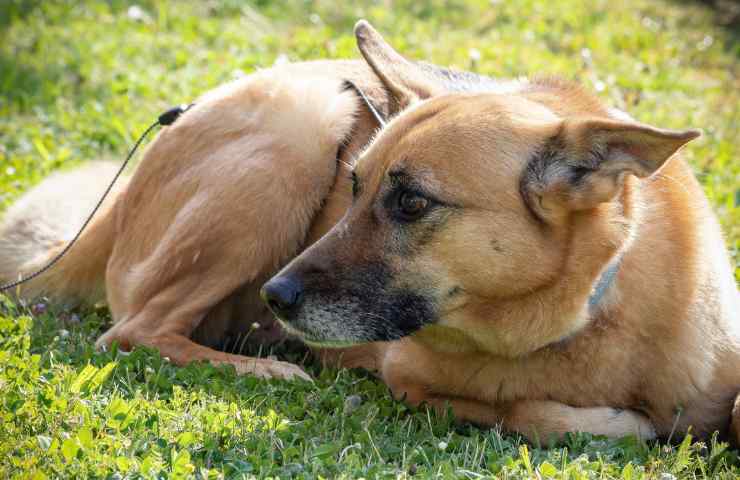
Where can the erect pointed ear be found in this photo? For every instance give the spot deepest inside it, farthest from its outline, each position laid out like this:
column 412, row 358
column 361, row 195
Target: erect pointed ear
column 406, row 81
column 585, row 163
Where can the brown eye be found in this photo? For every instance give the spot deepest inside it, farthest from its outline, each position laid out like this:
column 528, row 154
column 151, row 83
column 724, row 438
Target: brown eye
column 412, row 205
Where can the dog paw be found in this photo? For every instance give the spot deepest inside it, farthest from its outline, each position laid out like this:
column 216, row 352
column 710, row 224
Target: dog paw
column 116, row 334
column 628, row 421
column 267, row 368
column 646, row 431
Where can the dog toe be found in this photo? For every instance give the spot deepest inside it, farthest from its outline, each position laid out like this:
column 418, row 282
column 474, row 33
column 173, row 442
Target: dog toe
column 267, row 368
column 287, row 371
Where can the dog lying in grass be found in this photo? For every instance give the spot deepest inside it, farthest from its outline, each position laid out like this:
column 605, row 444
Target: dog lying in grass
column 529, row 258
column 518, row 252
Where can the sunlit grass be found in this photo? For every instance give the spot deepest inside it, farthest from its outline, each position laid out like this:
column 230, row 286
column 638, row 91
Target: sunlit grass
column 81, row 80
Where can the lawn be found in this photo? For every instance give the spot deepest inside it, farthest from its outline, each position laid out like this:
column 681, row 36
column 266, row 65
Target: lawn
column 81, row 80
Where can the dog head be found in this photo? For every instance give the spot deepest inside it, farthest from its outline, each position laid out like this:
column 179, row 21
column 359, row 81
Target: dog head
column 478, row 219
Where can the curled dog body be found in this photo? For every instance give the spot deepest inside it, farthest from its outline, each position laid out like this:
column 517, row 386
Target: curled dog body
column 221, row 199
column 247, row 178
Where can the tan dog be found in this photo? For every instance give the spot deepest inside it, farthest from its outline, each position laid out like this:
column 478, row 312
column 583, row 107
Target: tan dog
column 241, row 183
column 538, row 261
column 221, row 200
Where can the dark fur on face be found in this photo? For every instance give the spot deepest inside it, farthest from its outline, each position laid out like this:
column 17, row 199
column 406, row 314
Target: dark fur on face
column 372, row 309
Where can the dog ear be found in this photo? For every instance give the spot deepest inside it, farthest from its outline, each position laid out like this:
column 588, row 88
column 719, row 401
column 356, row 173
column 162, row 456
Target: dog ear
column 586, row 162
column 406, row 81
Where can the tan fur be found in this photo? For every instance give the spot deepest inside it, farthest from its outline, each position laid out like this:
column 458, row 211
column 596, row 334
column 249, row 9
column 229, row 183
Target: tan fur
column 39, row 225
column 220, row 201
column 156, row 296
column 537, row 192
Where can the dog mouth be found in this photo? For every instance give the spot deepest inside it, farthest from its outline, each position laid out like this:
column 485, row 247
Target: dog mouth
column 330, row 326
column 331, row 323
column 313, row 340
column 340, row 309
column 318, row 323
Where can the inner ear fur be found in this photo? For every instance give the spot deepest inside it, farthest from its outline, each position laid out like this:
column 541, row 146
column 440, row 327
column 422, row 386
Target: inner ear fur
column 585, row 163
column 406, row 81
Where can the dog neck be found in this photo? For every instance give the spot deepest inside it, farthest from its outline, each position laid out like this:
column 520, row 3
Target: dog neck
column 445, row 339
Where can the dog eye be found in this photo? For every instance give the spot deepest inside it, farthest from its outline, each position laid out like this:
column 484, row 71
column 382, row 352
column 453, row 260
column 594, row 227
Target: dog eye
column 411, row 205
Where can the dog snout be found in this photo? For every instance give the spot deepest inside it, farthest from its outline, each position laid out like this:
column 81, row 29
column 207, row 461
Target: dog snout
column 283, row 295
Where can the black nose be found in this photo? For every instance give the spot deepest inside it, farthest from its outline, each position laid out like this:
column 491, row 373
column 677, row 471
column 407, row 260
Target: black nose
column 283, row 295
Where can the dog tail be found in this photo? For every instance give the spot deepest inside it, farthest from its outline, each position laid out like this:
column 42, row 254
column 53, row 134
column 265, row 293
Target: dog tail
column 43, row 221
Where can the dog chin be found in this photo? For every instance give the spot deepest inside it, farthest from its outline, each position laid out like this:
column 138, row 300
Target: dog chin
column 312, row 340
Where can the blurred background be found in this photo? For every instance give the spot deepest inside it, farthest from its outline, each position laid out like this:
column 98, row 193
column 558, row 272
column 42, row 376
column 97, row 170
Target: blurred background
column 81, row 80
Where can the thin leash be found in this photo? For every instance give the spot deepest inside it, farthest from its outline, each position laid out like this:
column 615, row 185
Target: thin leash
column 165, row 119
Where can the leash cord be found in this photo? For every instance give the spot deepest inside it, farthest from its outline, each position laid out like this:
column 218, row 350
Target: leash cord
column 167, row 118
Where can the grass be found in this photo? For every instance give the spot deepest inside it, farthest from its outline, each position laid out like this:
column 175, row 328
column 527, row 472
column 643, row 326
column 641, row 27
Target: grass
column 80, row 80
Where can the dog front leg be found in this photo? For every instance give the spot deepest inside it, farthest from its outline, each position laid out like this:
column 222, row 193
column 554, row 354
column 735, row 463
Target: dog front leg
column 181, row 350
column 166, row 315
column 540, row 420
